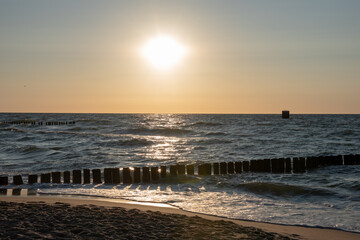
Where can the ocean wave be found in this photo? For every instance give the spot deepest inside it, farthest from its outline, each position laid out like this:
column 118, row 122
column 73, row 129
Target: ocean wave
column 211, row 141
column 159, row 131
column 201, row 123
column 215, row 134
column 13, row 130
column 282, row 190
column 129, row 142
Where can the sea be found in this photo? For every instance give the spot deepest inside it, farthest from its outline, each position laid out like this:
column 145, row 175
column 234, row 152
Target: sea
column 327, row 197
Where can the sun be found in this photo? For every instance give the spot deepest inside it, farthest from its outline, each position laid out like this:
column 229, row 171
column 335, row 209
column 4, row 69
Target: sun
column 163, row 52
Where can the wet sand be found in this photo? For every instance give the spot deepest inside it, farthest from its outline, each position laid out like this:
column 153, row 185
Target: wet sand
column 72, row 218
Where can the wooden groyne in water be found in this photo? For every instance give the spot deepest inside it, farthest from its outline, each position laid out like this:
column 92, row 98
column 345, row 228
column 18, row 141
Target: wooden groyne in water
column 33, row 122
column 153, row 174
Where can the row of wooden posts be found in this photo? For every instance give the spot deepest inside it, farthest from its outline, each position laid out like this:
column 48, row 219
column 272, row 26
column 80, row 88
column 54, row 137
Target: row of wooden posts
column 154, row 174
column 33, row 122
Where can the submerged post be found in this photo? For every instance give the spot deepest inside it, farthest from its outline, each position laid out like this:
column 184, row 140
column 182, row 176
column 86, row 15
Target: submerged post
column 66, row 177
column 126, row 176
column 33, row 178
column 163, row 171
column 173, row 170
column 18, row 180
column 45, row 178
column 154, row 173
column 76, row 176
column 146, row 174
column 137, row 177
column 238, row 167
column 108, row 178
column 190, row 169
column 86, row 176
column 55, row 177
column 116, row 175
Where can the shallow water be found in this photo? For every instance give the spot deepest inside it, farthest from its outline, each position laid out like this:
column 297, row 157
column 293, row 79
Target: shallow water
column 327, row 197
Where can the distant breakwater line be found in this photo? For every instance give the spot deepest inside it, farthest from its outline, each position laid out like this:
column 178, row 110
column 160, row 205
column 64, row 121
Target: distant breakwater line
column 129, row 175
column 33, row 122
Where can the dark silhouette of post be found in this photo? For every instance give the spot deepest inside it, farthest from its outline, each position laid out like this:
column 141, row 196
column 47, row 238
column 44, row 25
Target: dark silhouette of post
column 154, row 174
column 288, row 165
column 216, row 168
column 137, row 176
column 267, row 165
column 4, row 180
column 163, row 171
column 76, row 176
column 18, row 180
column 231, row 168
column 190, row 169
column 108, row 178
column 285, row 114
column 246, row 166
column 146, row 174
column 96, row 173
column 33, row 178
column 181, row 169
column 223, row 168
column 45, row 178
column 173, row 170
column 67, row 177
column 86, row 176
column 56, row 177
column 238, row 167
column 116, row 175
column 127, row 176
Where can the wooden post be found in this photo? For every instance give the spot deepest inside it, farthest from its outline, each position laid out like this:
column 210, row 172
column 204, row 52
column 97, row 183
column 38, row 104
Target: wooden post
column 173, row 170
column 223, row 168
column 17, row 179
column 33, row 178
column 238, row 167
column 3, row 191
column 181, row 169
column 137, row 176
column 282, row 165
column 190, row 169
column 246, row 166
column 127, row 176
column 96, row 173
column 45, row 178
column 116, row 175
column 285, row 114
column 302, row 164
column 163, row 171
column 216, row 168
column 16, row 192
column 287, row 165
column 146, row 174
column 357, row 159
column 66, row 177
column 267, row 165
column 231, row 168
column 86, row 176
column 4, row 180
column 253, row 166
column 155, row 174
column 108, row 178
column 56, row 177
column 201, row 170
column 207, row 168
column 76, row 176
column 339, row 160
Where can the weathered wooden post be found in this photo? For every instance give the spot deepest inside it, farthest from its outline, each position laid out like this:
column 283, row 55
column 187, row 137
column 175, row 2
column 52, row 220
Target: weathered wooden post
column 155, row 174
column 267, row 165
column 4, row 180
column 16, row 192
column 108, row 178
column 3, row 191
column 86, row 176
column 216, row 168
column 201, row 169
column 357, row 159
column 96, row 173
column 56, row 177
column 33, row 178
column 146, row 174
column 231, row 168
column 246, row 166
column 67, row 177
column 45, row 178
column 181, row 169
column 253, row 166
column 339, row 160
column 163, row 171
column 173, row 170
column 261, row 165
column 223, row 168
column 282, row 165
column 288, row 165
column 116, row 175
column 127, row 176
column 137, row 176
column 17, row 179
column 190, row 169
column 302, row 164
column 207, row 168
column 76, row 176
column 238, row 167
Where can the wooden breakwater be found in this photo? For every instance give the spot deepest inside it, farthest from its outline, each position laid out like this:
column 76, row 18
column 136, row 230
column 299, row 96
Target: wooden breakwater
column 33, row 122
column 153, row 174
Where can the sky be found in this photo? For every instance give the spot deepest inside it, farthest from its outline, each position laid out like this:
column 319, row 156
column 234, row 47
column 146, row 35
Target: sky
column 255, row 56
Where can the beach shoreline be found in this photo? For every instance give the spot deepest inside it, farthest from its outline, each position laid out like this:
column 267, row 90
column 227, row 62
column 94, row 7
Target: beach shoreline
column 276, row 231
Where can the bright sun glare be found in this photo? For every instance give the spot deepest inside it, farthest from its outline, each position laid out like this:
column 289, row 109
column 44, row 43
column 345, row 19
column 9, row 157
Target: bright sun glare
column 163, row 52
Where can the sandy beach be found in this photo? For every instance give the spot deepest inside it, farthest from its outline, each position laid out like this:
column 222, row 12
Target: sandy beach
column 72, row 218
